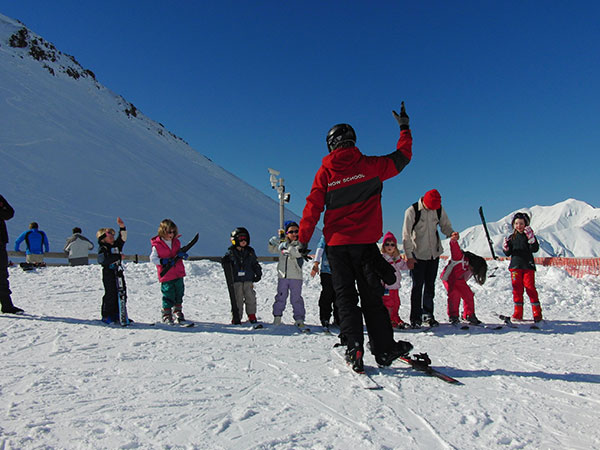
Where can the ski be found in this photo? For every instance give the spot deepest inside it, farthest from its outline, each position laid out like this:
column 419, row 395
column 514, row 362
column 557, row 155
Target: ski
column 365, row 380
column 303, row 329
column 183, row 249
column 184, row 324
column 508, row 322
column 122, row 294
column 422, row 363
column 487, row 326
column 227, row 265
column 487, row 233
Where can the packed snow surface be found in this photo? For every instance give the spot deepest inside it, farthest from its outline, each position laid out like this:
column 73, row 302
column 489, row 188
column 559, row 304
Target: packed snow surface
column 69, row 381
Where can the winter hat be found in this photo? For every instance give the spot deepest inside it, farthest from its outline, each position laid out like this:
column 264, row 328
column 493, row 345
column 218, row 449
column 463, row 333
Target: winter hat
column 389, row 236
column 289, row 223
column 432, row 199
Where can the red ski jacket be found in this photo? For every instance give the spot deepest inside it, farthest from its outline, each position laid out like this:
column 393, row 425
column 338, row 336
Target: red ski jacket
column 349, row 184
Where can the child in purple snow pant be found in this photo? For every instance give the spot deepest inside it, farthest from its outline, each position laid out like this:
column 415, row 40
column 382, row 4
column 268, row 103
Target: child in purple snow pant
column 294, row 287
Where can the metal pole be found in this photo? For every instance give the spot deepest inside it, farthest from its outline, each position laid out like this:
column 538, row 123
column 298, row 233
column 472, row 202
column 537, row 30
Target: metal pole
column 281, row 203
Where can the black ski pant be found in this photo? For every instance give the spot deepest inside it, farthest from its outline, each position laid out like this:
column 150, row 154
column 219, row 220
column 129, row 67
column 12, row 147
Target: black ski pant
column 5, row 292
column 423, row 289
column 352, row 266
column 327, row 300
column 110, row 300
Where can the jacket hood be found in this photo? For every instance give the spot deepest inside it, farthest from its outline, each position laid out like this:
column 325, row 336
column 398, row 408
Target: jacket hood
column 342, row 158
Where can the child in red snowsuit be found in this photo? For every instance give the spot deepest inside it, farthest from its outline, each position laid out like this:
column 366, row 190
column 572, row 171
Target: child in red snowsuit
column 520, row 246
column 455, row 275
column 391, row 297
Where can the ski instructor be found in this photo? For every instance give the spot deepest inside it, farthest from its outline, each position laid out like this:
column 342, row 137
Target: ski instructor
column 349, row 184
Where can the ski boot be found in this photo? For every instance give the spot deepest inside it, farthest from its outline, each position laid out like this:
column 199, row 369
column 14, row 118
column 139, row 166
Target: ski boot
column 354, row 357
column 178, row 316
column 167, row 316
column 473, row 320
column 401, row 348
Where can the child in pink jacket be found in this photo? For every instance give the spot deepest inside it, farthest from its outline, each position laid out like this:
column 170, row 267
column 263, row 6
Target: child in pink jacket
column 166, row 253
column 391, row 298
column 455, row 275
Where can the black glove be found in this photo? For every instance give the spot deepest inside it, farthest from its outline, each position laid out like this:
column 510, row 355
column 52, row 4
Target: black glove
column 304, row 251
column 401, row 118
column 256, row 278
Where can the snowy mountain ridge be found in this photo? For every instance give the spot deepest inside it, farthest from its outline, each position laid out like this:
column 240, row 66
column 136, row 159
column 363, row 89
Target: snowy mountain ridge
column 76, row 154
column 570, row 228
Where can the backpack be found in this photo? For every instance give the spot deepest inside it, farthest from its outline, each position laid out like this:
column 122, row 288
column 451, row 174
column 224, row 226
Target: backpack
column 418, row 214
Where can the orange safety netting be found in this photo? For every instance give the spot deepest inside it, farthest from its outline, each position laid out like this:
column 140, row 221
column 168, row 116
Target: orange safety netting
column 576, row 267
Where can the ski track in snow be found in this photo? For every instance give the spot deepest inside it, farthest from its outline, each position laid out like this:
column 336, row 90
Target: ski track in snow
column 69, row 381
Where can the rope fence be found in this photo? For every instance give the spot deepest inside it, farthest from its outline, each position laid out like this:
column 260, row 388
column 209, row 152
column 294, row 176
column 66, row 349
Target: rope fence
column 576, row 267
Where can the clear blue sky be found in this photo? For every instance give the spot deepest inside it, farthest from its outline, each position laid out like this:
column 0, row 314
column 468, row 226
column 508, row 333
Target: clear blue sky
column 503, row 97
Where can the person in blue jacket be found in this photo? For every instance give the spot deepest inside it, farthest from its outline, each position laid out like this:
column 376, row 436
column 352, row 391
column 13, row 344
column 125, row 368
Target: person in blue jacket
column 36, row 242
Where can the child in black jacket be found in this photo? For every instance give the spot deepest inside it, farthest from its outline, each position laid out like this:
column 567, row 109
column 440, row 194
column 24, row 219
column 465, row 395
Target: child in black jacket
column 109, row 252
column 520, row 246
column 246, row 271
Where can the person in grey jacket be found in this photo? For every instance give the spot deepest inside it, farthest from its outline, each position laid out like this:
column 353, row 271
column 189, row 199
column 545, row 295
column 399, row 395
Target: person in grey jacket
column 423, row 247
column 78, row 248
column 289, row 270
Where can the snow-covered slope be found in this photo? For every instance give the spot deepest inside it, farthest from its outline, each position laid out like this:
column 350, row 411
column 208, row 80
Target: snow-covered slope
column 570, row 228
column 67, row 381
column 76, row 154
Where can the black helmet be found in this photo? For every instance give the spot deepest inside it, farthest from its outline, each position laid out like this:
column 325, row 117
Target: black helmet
column 237, row 234
column 341, row 135
column 520, row 215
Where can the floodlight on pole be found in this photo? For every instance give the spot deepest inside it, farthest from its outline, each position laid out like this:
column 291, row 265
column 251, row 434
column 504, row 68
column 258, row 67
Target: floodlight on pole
column 284, row 197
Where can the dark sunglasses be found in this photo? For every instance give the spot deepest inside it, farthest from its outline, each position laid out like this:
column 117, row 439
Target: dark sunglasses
column 389, row 244
column 293, row 231
column 243, row 238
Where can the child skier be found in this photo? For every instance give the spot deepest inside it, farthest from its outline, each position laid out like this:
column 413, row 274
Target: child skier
column 391, row 297
column 166, row 253
column 109, row 253
column 459, row 269
column 246, row 272
column 289, row 270
column 520, row 246
column 327, row 297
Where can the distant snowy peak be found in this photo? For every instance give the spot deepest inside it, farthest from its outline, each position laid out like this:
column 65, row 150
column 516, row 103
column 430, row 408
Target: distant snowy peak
column 570, row 228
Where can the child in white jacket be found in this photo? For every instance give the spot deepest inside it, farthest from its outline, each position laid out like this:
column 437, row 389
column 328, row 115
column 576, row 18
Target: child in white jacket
column 289, row 271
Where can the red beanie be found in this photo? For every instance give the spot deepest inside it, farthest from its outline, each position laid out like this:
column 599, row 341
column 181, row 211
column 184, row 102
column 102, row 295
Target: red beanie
column 432, row 199
column 389, row 236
